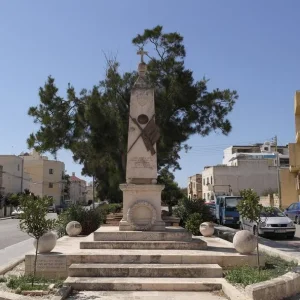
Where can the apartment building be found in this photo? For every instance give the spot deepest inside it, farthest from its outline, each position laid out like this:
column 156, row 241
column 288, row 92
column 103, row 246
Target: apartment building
column 77, row 189
column 249, row 166
column 195, row 186
column 267, row 150
column 13, row 178
column 89, row 191
column 46, row 175
column 290, row 178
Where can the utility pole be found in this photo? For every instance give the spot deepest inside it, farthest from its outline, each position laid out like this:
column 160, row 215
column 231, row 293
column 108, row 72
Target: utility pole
column 93, row 192
column 278, row 169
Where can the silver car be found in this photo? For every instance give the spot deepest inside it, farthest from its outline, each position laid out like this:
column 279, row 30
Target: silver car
column 272, row 223
column 16, row 213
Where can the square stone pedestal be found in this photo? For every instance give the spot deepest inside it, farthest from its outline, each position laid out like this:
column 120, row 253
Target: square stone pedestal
column 141, row 207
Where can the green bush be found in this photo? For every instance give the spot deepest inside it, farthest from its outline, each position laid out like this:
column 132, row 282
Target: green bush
column 193, row 223
column 187, row 207
column 90, row 220
column 115, row 207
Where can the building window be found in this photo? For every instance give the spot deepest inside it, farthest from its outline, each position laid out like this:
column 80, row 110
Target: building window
column 50, row 171
column 203, row 181
column 207, row 181
column 208, row 196
column 211, row 181
column 203, row 195
column 194, row 185
column 50, row 185
column 18, row 167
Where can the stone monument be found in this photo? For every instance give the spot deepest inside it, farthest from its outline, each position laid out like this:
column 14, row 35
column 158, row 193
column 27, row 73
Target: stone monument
column 141, row 193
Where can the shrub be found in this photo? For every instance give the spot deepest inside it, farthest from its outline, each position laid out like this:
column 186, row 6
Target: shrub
column 90, row 220
column 115, row 207
column 187, row 207
column 193, row 223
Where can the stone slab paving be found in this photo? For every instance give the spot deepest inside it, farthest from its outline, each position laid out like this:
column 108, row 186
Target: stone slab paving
column 146, row 296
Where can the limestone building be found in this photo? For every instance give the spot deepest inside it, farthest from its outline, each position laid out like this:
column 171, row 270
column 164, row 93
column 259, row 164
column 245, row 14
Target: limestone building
column 46, row 175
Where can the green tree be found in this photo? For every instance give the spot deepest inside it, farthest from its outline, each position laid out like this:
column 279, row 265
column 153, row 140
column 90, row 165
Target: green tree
column 94, row 124
column 250, row 209
column 187, row 207
column 172, row 192
column 33, row 220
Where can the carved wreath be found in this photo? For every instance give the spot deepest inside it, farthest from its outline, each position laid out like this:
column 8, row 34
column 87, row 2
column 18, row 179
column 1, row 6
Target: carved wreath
column 138, row 204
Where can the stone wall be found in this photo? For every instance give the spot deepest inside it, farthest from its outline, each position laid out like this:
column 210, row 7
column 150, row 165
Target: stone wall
column 270, row 200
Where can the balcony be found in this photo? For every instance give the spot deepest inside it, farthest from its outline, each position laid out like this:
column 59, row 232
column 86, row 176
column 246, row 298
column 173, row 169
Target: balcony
column 297, row 103
column 294, row 169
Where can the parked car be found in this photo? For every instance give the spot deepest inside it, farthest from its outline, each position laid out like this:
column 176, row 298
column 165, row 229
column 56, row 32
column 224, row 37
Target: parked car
column 16, row 213
column 51, row 208
column 272, row 223
column 293, row 212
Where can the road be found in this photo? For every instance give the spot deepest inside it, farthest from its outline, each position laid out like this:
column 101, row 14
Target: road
column 295, row 242
column 11, row 234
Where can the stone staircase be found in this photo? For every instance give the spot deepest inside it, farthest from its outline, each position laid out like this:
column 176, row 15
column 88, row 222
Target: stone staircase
column 138, row 266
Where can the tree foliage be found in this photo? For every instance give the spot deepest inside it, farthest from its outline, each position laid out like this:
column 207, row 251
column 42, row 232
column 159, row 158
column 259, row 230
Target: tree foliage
column 250, row 208
column 94, row 124
column 186, row 207
column 33, row 220
column 172, row 192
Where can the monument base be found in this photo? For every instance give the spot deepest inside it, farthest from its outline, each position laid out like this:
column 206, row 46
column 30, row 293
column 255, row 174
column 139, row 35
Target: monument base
column 126, row 226
column 142, row 207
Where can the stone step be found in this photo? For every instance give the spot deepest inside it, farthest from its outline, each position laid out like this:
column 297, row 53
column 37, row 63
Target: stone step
column 112, row 233
column 124, row 256
column 146, row 270
column 195, row 244
column 144, row 284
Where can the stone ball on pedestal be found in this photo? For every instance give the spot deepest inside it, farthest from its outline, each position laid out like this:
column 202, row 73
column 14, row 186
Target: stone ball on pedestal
column 207, row 229
column 244, row 242
column 47, row 242
column 73, row 228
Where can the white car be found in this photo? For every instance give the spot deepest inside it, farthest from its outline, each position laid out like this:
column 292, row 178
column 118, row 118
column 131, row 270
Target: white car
column 273, row 223
column 16, row 213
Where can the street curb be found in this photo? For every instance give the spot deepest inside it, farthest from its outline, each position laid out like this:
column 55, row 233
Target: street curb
column 6, row 218
column 11, row 265
column 12, row 296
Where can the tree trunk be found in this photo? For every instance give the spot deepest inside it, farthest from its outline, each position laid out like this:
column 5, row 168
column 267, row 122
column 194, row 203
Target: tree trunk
column 170, row 207
column 35, row 260
column 257, row 249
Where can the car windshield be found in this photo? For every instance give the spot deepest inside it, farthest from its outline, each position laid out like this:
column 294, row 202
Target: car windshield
column 232, row 201
column 275, row 212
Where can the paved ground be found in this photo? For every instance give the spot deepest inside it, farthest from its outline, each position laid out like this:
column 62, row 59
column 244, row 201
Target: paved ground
column 146, row 296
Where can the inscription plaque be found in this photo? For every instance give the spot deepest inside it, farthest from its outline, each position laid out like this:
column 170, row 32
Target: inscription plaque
column 142, row 162
column 50, row 263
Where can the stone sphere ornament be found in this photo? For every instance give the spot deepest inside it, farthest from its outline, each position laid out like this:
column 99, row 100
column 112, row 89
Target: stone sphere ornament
column 47, row 242
column 207, row 229
column 244, row 242
column 73, row 228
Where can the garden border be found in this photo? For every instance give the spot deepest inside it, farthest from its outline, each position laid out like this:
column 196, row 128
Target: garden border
column 277, row 288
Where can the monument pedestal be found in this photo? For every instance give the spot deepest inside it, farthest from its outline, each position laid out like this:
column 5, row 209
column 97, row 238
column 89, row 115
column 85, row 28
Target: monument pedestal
column 141, row 207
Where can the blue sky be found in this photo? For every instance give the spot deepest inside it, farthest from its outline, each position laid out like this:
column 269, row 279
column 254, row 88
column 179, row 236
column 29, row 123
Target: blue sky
column 250, row 46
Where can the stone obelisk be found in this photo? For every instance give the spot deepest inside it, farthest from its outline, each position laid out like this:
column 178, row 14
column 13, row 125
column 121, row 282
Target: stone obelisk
column 141, row 193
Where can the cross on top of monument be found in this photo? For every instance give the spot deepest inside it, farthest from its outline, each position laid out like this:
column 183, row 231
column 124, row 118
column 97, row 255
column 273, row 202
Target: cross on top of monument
column 142, row 53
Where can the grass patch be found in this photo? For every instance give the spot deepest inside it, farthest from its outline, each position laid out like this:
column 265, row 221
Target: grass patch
column 23, row 283
column 245, row 275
